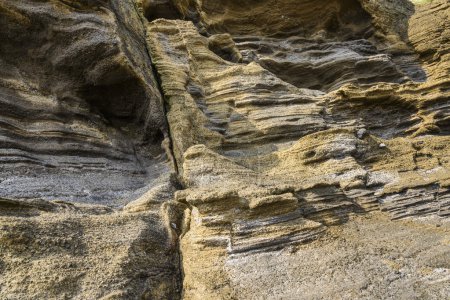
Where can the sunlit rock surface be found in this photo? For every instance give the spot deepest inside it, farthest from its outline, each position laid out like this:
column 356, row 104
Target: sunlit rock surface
column 225, row 149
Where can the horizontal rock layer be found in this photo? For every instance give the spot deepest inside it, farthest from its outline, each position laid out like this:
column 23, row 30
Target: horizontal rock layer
column 80, row 107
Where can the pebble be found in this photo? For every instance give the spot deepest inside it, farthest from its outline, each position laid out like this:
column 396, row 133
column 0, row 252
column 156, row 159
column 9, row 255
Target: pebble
column 361, row 133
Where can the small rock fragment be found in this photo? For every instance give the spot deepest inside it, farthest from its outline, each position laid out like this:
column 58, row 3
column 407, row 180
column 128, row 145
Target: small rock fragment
column 361, row 133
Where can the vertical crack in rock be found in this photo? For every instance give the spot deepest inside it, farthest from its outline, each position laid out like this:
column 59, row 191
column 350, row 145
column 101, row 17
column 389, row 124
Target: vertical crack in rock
column 80, row 106
column 168, row 140
column 287, row 121
column 143, row 7
column 82, row 121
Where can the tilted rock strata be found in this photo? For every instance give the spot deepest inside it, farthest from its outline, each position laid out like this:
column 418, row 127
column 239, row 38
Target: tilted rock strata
column 224, row 105
column 354, row 125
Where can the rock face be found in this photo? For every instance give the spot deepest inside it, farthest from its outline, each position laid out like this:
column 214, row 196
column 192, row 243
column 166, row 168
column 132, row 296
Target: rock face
column 185, row 149
column 63, row 251
column 80, row 107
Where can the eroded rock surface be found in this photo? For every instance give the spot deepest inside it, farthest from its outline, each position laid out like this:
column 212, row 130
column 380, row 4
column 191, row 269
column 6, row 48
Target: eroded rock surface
column 81, row 114
column 308, row 113
column 66, row 251
column 227, row 149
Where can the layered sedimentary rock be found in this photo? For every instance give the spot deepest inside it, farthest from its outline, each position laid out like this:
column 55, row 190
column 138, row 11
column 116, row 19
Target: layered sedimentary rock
column 82, row 120
column 305, row 120
column 273, row 149
column 81, row 115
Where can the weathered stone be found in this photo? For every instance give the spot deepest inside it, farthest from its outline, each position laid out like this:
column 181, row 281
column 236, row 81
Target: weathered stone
column 80, row 107
column 227, row 149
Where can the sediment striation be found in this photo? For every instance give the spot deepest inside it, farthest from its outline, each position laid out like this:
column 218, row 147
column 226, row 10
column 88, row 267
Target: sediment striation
column 80, row 105
column 184, row 149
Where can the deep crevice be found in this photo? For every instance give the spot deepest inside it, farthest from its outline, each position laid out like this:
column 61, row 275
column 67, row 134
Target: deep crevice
column 166, row 135
column 169, row 135
column 160, row 9
column 166, row 132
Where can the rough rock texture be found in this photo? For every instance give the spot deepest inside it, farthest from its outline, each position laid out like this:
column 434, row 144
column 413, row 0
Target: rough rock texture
column 66, row 251
column 227, row 149
column 82, row 120
column 81, row 115
column 308, row 113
